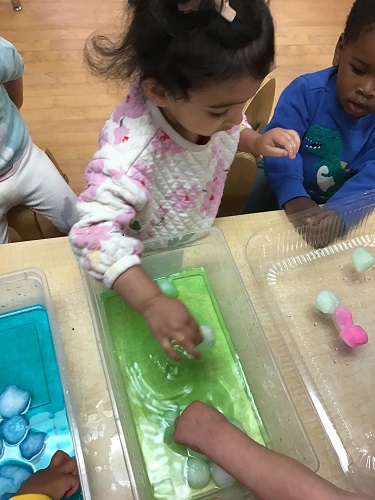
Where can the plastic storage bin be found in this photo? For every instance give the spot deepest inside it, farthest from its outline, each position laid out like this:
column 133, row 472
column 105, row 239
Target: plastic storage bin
column 207, row 252
column 32, row 360
column 339, row 379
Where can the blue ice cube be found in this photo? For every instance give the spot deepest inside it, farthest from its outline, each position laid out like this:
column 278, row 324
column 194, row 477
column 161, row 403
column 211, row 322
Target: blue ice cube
column 1, row 446
column 7, row 488
column 11, row 478
column 15, row 429
column 32, row 445
column 14, row 401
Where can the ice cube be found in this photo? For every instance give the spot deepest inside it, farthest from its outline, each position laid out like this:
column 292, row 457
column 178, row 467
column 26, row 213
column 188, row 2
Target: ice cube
column 220, row 477
column 362, row 259
column 327, row 302
column 11, row 478
column 170, row 415
column 7, row 488
column 168, row 287
column 208, row 336
column 195, row 454
column 15, row 429
column 1, row 446
column 198, row 473
column 32, row 445
column 14, row 401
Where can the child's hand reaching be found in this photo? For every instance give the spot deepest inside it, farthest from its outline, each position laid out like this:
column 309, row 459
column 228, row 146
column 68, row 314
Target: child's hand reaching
column 277, row 142
column 167, row 317
column 59, row 479
column 193, row 427
column 323, row 228
column 207, row 431
column 170, row 321
column 319, row 227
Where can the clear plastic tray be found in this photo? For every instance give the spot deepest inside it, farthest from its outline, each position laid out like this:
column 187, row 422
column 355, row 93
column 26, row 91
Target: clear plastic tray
column 27, row 318
column 207, row 250
column 340, row 380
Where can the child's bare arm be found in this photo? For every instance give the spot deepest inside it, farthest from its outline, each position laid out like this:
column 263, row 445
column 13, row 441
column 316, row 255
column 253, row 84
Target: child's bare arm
column 167, row 317
column 319, row 227
column 275, row 142
column 59, row 479
column 14, row 89
column 267, row 474
column 300, row 204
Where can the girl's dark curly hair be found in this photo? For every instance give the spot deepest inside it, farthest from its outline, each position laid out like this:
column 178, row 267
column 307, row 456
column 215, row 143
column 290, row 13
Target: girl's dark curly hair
column 185, row 51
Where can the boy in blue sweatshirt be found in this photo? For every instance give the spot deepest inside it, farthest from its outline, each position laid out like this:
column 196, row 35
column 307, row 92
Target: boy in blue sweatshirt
column 333, row 111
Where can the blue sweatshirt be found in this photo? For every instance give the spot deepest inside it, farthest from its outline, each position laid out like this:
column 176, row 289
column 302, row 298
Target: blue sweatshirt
column 336, row 159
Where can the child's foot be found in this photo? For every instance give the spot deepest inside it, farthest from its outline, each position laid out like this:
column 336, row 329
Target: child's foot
column 59, row 479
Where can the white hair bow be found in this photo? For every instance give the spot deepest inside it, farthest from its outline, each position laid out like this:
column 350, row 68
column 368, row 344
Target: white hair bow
column 223, row 8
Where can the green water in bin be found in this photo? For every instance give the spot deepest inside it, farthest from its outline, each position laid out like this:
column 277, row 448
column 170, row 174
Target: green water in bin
column 158, row 387
column 28, row 361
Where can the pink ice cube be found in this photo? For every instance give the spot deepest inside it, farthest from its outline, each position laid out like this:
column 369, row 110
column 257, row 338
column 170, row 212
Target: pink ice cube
column 353, row 335
column 344, row 317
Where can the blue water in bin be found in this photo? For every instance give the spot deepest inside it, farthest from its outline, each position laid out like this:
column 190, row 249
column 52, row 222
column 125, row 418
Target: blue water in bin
column 28, row 361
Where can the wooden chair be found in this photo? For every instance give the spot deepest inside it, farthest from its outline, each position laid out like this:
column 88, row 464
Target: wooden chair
column 237, row 187
column 23, row 220
column 244, row 167
column 259, row 108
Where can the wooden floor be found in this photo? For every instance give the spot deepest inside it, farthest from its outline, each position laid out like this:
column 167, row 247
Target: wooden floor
column 65, row 108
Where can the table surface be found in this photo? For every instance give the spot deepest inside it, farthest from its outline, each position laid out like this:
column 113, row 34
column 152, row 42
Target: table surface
column 105, row 464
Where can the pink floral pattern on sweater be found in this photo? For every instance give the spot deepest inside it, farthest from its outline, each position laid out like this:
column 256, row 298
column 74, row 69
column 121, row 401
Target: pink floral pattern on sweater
column 184, row 199
column 132, row 106
column 162, row 145
column 145, row 181
column 98, row 234
column 95, row 178
column 121, row 134
column 214, row 190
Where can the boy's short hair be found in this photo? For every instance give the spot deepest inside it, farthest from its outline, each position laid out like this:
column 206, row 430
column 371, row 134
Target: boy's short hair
column 361, row 19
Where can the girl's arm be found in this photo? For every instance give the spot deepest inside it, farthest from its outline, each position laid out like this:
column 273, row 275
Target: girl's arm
column 118, row 188
column 167, row 317
column 267, row 474
column 276, row 142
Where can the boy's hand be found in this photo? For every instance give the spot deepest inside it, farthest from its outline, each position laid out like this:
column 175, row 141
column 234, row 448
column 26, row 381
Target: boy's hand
column 278, row 142
column 320, row 227
column 300, row 204
column 323, row 228
column 196, row 425
column 169, row 321
column 59, row 479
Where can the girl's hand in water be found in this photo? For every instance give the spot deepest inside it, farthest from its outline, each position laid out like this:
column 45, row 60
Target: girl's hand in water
column 278, row 142
column 167, row 317
column 169, row 321
column 59, row 479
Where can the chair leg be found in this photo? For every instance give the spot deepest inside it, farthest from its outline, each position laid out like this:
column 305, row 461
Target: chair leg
column 25, row 222
column 16, row 5
column 54, row 161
